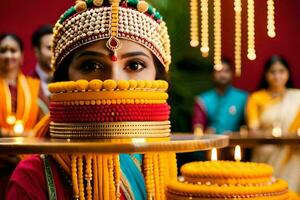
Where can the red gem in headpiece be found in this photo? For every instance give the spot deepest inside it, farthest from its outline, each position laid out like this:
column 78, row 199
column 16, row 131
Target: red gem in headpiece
column 113, row 42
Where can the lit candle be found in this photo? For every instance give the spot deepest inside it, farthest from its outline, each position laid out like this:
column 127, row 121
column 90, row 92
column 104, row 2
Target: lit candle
column 18, row 127
column 298, row 132
column 276, row 131
column 10, row 120
column 214, row 155
column 198, row 131
column 237, row 153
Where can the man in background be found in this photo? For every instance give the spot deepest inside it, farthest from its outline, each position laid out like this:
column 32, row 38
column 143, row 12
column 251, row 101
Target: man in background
column 221, row 109
column 41, row 42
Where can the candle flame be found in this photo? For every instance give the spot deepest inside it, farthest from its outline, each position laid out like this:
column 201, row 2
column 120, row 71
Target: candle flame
column 11, row 120
column 276, row 132
column 18, row 127
column 237, row 153
column 214, row 155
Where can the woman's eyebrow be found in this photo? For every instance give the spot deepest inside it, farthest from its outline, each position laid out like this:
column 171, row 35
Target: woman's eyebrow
column 90, row 53
column 134, row 53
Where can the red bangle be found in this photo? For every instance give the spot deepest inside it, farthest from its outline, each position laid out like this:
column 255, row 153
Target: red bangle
column 109, row 113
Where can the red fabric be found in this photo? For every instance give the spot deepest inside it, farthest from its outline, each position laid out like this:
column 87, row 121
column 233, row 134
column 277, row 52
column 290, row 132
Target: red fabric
column 28, row 182
column 199, row 116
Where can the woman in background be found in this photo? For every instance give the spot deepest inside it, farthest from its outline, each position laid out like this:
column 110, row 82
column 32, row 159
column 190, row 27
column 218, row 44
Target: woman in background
column 275, row 109
column 19, row 94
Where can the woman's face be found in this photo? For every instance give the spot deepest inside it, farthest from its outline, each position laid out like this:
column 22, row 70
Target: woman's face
column 277, row 75
column 11, row 57
column 93, row 61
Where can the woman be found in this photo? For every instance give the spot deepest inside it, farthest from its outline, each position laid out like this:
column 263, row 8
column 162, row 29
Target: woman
column 275, row 109
column 19, row 105
column 103, row 51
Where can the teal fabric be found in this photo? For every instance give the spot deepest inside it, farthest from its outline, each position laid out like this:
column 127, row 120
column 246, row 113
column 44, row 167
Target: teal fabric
column 225, row 113
column 133, row 175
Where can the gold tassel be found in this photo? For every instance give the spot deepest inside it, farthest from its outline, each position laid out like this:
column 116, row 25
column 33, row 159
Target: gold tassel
column 172, row 165
column 88, row 176
column 112, row 186
column 117, row 170
column 149, row 179
column 80, row 178
column 105, row 180
column 156, row 176
column 162, row 172
column 100, row 178
column 74, row 177
column 96, row 176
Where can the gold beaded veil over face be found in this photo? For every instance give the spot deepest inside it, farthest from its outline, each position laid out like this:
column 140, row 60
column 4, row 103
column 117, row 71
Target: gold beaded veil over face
column 94, row 20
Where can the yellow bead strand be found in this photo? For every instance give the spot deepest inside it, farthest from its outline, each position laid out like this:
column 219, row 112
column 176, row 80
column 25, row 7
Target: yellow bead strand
column 149, row 179
column 112, row 188
column 238, row 37
column 271, row 18
column 217, row 35
column 162, row 172
column 74, row 177
column 194, row 23
column 88, row 176
column 204, row 28
column 96, row 178
column 105, row 180
column 80, row 178
column 156, row 177
column 173, row 165
column 251, row 30
column 117, row 170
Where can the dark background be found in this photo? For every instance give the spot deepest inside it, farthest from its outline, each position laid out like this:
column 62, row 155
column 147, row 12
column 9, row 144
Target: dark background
column 190, row 73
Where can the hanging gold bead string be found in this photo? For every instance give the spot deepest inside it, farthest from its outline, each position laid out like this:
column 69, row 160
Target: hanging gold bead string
column 217, row 35
column 251, row 54
column 271, row 18
column 204, row 28
column 98, row 176
column 238, row 37
column 194, row 23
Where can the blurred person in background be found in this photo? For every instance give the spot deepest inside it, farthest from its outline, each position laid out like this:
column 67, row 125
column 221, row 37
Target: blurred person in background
column 275, row 110
column 221, row 109
column 41, row 42
column 19, row 110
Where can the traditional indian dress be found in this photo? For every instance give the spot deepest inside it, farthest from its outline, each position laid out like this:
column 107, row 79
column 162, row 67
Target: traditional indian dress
column 47, row 177
column 21, row 103
column 268, row 113
column 223, row 113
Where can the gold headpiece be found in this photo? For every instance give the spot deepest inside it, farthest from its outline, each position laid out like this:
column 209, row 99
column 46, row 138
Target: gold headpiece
column 94, row 20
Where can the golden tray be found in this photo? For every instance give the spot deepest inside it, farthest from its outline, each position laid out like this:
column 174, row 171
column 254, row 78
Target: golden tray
column 177, row 143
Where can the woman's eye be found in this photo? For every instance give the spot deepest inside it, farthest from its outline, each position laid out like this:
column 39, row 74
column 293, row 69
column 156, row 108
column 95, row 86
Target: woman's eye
column 91, row 67
column 135, row 66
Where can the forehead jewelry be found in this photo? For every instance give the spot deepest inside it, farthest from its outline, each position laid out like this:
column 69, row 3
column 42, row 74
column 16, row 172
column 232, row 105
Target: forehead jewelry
column 113, row 42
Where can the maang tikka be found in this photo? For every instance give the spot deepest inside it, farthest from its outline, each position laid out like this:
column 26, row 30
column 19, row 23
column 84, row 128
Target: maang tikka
column 113, row 42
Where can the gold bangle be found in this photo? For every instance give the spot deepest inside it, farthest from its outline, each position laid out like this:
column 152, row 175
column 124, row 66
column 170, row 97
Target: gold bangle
column 85, row 135
column 110, row 124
